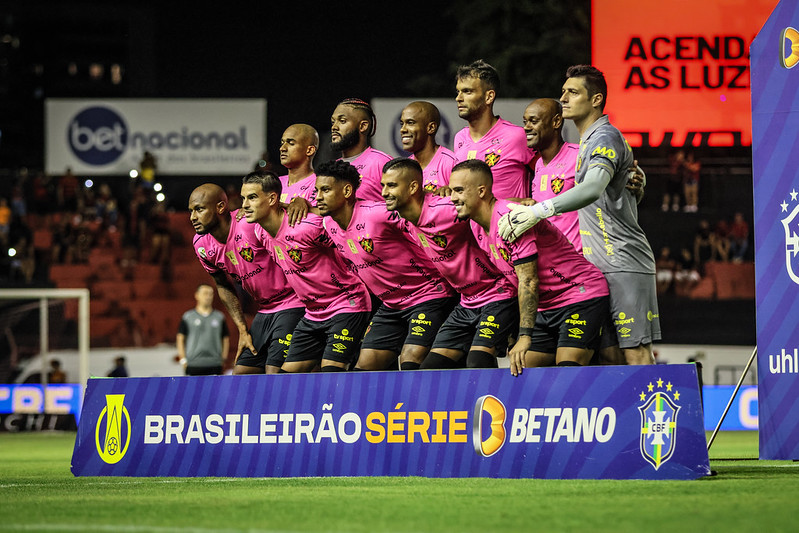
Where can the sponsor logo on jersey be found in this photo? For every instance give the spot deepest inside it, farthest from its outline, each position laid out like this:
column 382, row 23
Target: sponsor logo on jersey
column 610, row 153
column 658, row 410
column 115, row 427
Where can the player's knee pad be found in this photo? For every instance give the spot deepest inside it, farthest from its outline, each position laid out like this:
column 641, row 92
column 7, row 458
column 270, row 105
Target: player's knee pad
column 569, row 363
column 437, row 361
column 480, row 359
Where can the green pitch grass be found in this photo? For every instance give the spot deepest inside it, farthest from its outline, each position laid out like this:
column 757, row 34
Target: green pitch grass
column 38, row 493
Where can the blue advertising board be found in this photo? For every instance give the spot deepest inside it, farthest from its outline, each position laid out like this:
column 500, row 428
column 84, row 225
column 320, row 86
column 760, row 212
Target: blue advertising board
column 774, row 55
column 637, row 422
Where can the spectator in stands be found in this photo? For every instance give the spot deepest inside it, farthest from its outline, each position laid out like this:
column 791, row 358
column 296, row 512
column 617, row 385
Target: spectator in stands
column 19, row 205
column 691, row 168
column 23, row 263
column 106, row 206
column 147, row 167
column 42, row 190
column 674, row 183
column 56, row 375
column 119, row 370
column 665, row 266
column 704, row 246
column 739, row 238
column 67, row 191
column 5, row 221
column 721, row 241
column 686, row 276
column 160, row 237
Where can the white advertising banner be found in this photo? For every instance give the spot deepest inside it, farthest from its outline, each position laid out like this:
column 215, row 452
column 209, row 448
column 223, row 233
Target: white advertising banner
column 187, row 137
column 388, row 111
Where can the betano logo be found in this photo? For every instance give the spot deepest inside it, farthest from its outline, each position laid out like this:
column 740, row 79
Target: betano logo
column 789, row 56
column 111, row 450
column 495, row 409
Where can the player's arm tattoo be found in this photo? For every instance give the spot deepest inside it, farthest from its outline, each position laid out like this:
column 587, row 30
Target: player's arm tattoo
column 528, row 292
column 227, row 293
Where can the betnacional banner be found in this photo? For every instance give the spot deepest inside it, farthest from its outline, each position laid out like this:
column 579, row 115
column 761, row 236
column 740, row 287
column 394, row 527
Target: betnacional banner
column 186, row 136
column 775, row 143
column 388, row 112
column 642, row 422
column 678, row 71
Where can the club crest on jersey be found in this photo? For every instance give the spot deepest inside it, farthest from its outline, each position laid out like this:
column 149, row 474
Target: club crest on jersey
column 658, row 422
column 791, row 226
column 440, row 240
column 367, row 244
column 430, row 186
column 504, row 253
column 295, row 254
column 492, row 157
column 246, row 253
column 557, row 185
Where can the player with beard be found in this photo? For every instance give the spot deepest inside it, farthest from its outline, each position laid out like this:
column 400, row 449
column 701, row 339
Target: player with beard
column 338, row 305
column 488, row 137
column 352, row 125
column 487, row 315
column 227, row 248
column 415, row 298
column 419, row 124
column 563, row 298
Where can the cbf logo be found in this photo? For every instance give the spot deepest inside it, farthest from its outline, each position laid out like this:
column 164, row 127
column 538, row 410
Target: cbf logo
column 97, row 135
column 791, row 226
column 114, row 426
column 488, row 439
column 658, row 422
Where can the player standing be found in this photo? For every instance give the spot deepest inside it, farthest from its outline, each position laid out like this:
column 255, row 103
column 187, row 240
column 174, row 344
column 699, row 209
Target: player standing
column 415, row 298
column 480, row 325
column 612, row 238
column 337, row 302
column 563, row 298
column 228, row 247
column 352, row 125
column 419, row 124
column 501, row 144
column 298, row 147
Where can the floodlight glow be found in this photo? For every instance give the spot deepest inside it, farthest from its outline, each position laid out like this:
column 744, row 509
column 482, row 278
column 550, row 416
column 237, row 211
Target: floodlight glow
column 134, row 173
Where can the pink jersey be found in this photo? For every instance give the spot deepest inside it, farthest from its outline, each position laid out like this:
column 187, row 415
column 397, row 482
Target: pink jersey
column 454, row 251
column 314, row 269
column 504, row 149
column 436, row 173
column 305, row 188
column 551, row 180
column 564, row 275
column 248, row 263
column 375, row 244
column 370, row 166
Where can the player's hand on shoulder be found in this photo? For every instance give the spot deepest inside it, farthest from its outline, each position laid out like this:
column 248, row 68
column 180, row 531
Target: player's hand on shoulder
column 297, row 210
column 443, row 191
column 518, row 220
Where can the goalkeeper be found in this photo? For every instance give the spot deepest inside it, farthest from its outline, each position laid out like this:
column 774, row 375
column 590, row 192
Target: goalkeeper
column 608, row 212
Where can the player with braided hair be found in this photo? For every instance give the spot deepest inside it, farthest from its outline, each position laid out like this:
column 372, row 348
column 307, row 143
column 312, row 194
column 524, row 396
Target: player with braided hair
column 352, row 125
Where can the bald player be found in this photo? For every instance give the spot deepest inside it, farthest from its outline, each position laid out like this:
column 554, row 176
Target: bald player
column 298, row 147
column 554, row 170
column 227, row 248
column 352, row 125
column 419, row 124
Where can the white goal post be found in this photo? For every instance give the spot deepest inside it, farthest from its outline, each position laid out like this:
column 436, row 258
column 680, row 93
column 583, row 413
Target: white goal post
column 43, row 295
